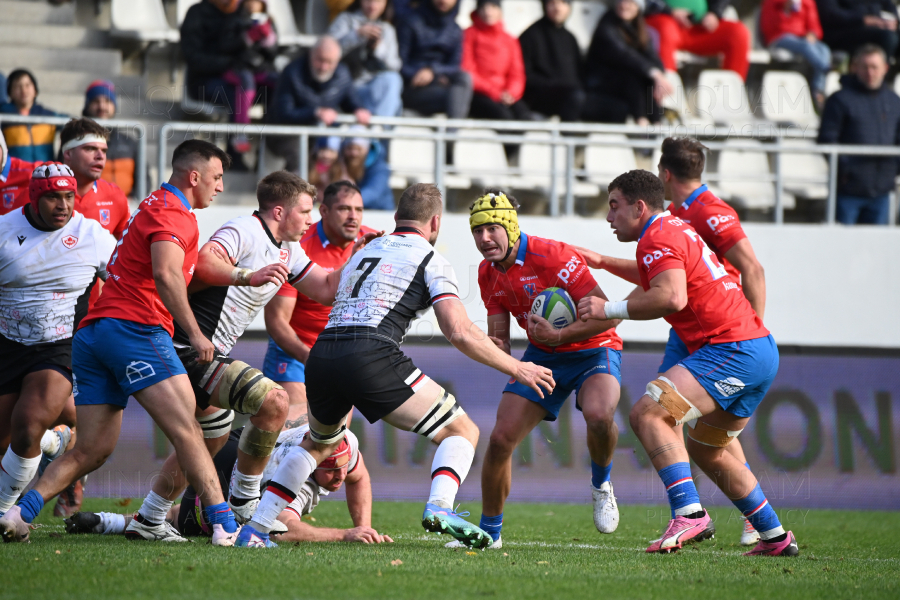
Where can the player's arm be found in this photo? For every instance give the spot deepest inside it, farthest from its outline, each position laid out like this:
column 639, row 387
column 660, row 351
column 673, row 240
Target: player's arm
column 620, row 267
column 216, row 268
column 278, row 313
column 167, row 260
column 498, row 330
column 298, row 531
column 321, row 286
column 542, row 331
column 753, row 276
column 667, row 295
column 359, row 494
column 471, row 341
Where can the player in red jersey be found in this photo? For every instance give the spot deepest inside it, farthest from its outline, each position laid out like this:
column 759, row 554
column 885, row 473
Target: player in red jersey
column 293, row 320
column 124, row 347
column 584, row 357
column 14, row 176
column 680, row 169
column 733, row 361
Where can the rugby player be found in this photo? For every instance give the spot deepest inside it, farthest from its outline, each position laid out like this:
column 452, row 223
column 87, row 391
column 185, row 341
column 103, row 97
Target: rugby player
column 294, row 320
column 357, row 362
column 584, row 357
column 50, row 259
column 14, row 176
column 123, row 347
column 345, row 465
column 731, row 364
column 680, row 169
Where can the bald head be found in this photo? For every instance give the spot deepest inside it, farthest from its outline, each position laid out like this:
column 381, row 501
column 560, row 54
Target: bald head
column 324, row 58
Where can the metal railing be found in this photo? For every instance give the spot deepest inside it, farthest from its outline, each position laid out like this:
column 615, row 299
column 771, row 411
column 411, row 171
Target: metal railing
column 136, row 129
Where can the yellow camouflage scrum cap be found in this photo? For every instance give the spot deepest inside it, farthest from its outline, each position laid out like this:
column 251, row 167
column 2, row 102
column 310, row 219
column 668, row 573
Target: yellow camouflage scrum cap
column 495, row 208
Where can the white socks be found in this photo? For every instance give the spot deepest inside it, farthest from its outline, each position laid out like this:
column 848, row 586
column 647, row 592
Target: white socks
column 290, row 476
column 111, row 523
column 688, row 510
column 155, row 508
column 244, row 487
column 16, row 474
column 451, row 464
column 50, row 442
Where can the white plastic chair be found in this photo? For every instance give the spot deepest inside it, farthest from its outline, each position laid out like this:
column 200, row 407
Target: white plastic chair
column 722, row 96
column 743, row 178
column 282, row 16
column 413, row 160
column 807, row 166
column 786, row 99
column 142, row 20
column 534, row 163
column 604, row 162
column 583, row 20
column 833, row 83
column 678, row 102
column 483, row 161
column 316, row 20
column 181, row 8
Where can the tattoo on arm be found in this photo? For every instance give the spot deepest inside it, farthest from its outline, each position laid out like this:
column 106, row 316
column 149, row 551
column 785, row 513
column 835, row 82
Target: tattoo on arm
column 301, row 420
column 662, row 450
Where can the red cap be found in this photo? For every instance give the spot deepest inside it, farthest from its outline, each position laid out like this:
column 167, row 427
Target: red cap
column 50, row 177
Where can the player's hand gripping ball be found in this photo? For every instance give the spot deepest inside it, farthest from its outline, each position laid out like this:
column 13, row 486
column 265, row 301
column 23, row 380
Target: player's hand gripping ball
column 555, row 305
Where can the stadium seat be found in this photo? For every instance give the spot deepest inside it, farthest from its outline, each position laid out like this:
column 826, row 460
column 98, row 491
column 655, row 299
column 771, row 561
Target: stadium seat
column 745, row 178
column 282, row 16
column 678, row 102
column 316, row 21
column 897, row 85
column 413, row 160
column 483, row 161
column 833, row 83
column 583, row 21
column 786, row 98
column 534, row 163
column 181, row 8
column 141, row 20
column 722, row 96
column 604, row 162
column 804, row 166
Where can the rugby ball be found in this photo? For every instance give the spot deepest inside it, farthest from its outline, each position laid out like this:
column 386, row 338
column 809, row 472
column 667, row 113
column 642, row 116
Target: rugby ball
column 555, row 305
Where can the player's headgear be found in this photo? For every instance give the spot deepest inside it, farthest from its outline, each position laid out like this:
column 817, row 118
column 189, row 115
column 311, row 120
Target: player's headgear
column 496, row 208
column 51, row 177
column 339, row 458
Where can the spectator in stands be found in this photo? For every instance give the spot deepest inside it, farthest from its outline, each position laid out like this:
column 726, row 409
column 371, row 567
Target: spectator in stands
column 325, row 168
column 865, row 111
column 370, row 50
column 312, row 89
column 494, row 60
column 848, row 24
column 793, row 25
column 31, row 143
column 224, row 65
column 122, row 149
column 696, row 26
column 431, row 51
column 365, row 161
column 623, row 73
column 553, row 64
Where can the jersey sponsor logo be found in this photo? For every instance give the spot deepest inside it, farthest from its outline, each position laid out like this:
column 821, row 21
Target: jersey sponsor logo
column 62, row 183
column 191, row 270
column 21, row 239
column 69, row 241
column 284, row 255
column 529, row 278
column 730, row 386
column 138, row 370
column 8, row 199
column 730, row 285
column 500, row 293
column 656, row 255
column 105, row 203
column 104, row 216
column 717, row 220
column 530, row 289
column 570, row 268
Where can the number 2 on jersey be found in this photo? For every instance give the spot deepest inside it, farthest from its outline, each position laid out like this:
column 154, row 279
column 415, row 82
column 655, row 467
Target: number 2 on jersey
column 709, row 258
column 372, row 262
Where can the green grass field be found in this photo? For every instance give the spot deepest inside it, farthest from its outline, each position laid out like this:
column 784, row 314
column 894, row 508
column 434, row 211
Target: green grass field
column 550, row 551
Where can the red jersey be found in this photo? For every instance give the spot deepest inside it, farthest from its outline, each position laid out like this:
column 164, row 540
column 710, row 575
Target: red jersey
column 309, row 317
column 106, row 204
column 715, row 221
column 14, row 180
column 540, row 264
column 130, row 292
column 717, row 310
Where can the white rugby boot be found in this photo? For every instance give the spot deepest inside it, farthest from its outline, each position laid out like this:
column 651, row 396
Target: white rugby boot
column 163, row 532
column 244, row 513
column 220, row 537
column 606, row 511
column 749, row 536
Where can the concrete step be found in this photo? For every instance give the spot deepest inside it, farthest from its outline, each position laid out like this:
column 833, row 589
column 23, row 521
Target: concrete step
column 51, row 36
column 57, row 59
column 66, row 104
column 37, row 13
column 76, row 82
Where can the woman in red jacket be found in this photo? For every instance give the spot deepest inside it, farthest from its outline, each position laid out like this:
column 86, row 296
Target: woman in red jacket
column 494, row 60
column 793, row 25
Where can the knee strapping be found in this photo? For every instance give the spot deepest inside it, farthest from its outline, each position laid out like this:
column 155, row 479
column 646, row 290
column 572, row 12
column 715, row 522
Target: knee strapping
column 444, row 411
column 664, row 393
column 709, row 435
column 244, row 388
column 257, row 442
column 217, row 424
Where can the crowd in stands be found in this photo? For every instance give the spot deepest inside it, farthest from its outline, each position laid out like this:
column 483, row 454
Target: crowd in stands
column 394, row 57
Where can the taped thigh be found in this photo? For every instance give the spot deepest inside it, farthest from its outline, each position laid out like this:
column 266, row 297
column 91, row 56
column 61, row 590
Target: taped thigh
column 709, row 435
column 244, row 388
column 257, row 442
column 327, row 435
column 442, row 412
column 664, row 393
column 216, row 424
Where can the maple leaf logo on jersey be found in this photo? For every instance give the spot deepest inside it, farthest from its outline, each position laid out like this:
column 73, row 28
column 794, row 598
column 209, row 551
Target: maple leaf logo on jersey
column 8, row 199
column 69, row 241
column 284, row 255
column 104, row 216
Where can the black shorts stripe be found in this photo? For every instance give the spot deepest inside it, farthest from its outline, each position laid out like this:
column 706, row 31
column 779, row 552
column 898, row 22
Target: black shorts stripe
column 436, row 408
column 442, row 420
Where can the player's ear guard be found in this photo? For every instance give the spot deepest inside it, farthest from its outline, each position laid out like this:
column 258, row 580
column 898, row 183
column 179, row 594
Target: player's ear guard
column 257, row 442
column 216, row 424
column 495, row 208
column 709, row 435
column 244, row 388
column 664, row 393
column 444, row 411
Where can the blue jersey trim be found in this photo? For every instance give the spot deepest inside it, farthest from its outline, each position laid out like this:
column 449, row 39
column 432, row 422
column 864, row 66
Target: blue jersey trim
column 523, row 249
column 174, row 190
column 652, row 219
column 694, row 195
column 6, row 168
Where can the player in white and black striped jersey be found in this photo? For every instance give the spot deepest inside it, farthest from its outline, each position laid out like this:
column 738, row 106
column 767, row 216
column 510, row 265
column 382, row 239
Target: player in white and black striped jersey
column 357, row 362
